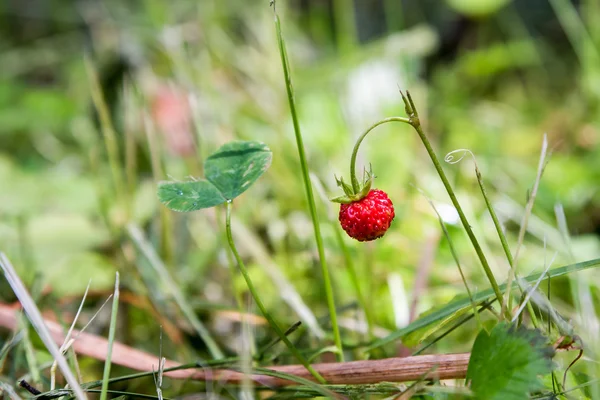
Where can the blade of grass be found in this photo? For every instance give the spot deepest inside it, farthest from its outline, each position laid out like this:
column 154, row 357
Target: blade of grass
column 456, row 260
column 9, row 345
column 501, row 235
column 308, row 186
column 65, row 345
column 32, row 363
column 166, row 219
column 507, row 303
column 130, row 146
column 484, row 295
column 9, row 390
column 111, row 338
column 282, row 375
column 140, row 241
column 38, row 323
column 532, row 290
column 575, row 29
column 580, row 292
column 261, row 353
column 456, row 325
column 158, row 376
column 108, row 132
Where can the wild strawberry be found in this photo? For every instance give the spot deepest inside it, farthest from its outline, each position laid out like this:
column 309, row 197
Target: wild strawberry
column 368, row 218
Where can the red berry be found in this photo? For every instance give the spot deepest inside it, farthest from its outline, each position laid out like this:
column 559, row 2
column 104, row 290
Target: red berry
column 368, row 218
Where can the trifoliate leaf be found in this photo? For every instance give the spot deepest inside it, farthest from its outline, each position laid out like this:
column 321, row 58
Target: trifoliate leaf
column 235, row 166
column 230, row 171
column 189, row 196
column 505, row 363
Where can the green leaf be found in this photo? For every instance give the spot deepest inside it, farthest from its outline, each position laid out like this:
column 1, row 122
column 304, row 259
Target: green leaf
column 230, row 171
column 459, row 304
column 189, row 196
column 235, row 166
column 505, row 363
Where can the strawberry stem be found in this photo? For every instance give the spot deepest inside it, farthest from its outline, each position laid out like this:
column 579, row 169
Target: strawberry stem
column 355, row 184
column 413, row 120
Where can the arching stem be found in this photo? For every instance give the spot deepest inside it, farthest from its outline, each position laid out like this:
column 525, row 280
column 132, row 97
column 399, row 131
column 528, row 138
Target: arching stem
column 259, row 303
column 354, row 180
column 413, row 120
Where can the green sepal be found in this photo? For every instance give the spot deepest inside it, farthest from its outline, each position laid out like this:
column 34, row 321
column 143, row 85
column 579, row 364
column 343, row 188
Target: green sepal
column 364, row 191
column 350, row 196
column 367, row 183
column 345, row 187
column 342, row 199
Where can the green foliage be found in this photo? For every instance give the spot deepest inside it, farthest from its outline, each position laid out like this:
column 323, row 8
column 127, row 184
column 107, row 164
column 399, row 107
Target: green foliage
column 235, row 166
column 189, row 196
column 505, row 363
column 230, row 171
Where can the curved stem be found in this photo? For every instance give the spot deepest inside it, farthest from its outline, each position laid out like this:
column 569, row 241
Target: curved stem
column 259, row 302
column 355, row 184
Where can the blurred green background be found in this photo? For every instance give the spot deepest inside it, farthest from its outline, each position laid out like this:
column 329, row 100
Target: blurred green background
column 180, row 78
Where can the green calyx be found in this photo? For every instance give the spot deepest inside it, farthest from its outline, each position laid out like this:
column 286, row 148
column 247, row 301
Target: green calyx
column 350, row 195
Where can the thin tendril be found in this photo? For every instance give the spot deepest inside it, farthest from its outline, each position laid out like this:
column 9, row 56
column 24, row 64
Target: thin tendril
column 450, row 157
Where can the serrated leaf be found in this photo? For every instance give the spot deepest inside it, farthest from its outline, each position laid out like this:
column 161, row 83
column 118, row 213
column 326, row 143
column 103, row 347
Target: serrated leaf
column 505, row 363
column 235, row 166
column 189, row 196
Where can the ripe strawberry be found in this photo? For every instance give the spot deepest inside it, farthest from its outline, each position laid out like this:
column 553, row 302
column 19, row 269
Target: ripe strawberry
column 368, row 218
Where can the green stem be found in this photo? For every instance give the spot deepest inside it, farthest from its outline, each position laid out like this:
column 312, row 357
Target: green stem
column 413, row 120
column 503, row 240
column 111, row 339
column 501, row 234
column 355, row 184
column 309, row 190
column 484, row 263
column 259, row 302
column 499, row 230
column 455, row 256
